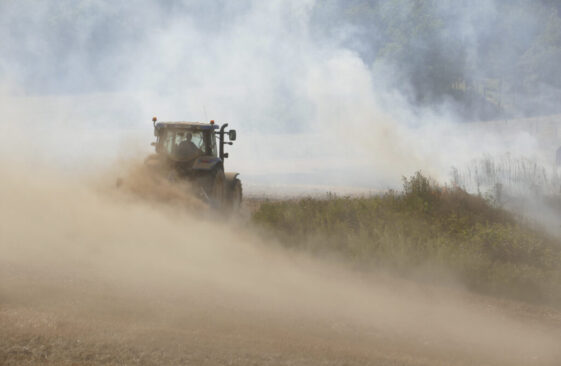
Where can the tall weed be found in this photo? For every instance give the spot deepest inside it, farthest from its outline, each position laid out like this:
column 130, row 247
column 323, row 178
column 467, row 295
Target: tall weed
column 429, row 229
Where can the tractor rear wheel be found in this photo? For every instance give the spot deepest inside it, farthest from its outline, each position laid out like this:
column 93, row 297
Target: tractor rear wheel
column 218, row 190
column 235, row 196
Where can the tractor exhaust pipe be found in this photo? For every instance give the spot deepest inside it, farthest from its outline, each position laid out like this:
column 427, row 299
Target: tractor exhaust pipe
column 222, row 142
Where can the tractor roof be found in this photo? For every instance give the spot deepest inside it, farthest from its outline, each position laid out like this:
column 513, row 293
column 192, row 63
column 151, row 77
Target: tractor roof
column 186, row 125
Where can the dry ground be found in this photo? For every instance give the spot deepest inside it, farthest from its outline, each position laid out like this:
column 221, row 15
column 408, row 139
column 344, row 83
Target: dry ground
column 65, row 319
column 90, row 278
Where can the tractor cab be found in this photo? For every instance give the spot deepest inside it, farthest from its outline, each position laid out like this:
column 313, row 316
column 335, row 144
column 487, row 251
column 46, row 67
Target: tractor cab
column 186, row 142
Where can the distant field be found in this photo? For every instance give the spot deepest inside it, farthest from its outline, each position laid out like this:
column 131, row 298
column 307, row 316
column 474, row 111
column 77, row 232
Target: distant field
column 426, row 231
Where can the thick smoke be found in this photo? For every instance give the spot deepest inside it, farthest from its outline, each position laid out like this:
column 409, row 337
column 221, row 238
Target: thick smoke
column 328, row 90
column 484, row 59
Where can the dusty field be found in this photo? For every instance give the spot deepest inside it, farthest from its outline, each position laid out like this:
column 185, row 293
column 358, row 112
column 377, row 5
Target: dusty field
column 62, row 319
column 90, row 278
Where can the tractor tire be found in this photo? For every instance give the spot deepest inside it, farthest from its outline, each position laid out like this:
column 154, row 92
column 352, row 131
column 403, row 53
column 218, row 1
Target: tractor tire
column 235, row 196
column 218, row 190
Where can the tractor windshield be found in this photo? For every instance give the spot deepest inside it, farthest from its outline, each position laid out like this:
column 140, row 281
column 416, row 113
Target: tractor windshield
column 183, row 144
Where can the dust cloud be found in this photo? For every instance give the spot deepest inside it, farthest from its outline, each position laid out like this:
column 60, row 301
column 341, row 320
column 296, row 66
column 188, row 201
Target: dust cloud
column 84, row 260
column 77, row 248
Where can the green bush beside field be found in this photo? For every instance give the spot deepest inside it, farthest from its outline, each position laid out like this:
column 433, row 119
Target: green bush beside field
column 426, row 230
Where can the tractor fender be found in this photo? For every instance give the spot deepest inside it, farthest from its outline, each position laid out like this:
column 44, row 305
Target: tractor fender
column 206, row 163
column 230, row 177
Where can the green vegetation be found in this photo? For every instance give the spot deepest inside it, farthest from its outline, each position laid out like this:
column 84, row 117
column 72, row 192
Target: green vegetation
column 426, row 229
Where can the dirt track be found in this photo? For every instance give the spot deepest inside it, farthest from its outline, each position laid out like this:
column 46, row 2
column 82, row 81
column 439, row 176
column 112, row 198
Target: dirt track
column 92, row 279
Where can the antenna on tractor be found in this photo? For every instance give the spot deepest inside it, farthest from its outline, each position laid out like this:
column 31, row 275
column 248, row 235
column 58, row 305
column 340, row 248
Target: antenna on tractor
column 204, row 111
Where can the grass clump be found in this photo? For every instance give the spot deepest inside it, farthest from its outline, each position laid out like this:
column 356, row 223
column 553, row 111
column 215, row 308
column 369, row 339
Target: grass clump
column 426, row 229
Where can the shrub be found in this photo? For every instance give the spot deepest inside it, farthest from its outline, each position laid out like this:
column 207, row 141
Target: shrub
column 428, row 227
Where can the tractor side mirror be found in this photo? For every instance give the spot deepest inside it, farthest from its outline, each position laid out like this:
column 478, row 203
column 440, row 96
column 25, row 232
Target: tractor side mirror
column 232, row 135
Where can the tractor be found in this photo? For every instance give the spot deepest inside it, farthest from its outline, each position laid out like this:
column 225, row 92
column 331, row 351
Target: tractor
column 194, row 151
